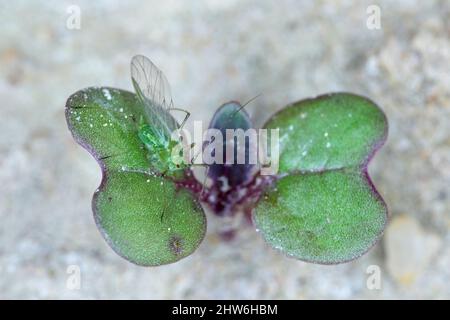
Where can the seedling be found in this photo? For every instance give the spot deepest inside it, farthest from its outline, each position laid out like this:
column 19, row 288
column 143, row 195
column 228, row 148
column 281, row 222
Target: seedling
column 320, row 206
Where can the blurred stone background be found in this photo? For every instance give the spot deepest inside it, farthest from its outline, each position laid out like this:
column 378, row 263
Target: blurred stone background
column 214, row 51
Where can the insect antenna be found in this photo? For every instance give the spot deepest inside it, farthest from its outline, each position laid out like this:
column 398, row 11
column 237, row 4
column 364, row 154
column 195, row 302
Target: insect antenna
column 243, row 106
column 204, row 180
column 148, row 172
column 83, row 107
column 112, row 156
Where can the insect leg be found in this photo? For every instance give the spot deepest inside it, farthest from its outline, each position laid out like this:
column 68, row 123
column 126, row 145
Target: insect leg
column 166, row 204
column 188, row 114
column 196, row 156
column 204, row 180
column 206, row 174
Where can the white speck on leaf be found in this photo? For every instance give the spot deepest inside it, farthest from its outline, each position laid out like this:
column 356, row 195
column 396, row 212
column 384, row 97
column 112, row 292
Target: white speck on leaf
column 107, row 94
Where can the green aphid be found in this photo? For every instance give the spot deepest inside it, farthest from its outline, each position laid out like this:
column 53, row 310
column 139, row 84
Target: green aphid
column 160, row 150
column 156, row 128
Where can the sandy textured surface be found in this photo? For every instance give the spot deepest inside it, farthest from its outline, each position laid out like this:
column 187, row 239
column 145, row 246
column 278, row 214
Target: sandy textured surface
column 214, row 52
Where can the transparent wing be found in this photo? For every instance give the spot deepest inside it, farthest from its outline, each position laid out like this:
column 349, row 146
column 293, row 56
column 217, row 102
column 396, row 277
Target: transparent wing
column 153, row 90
